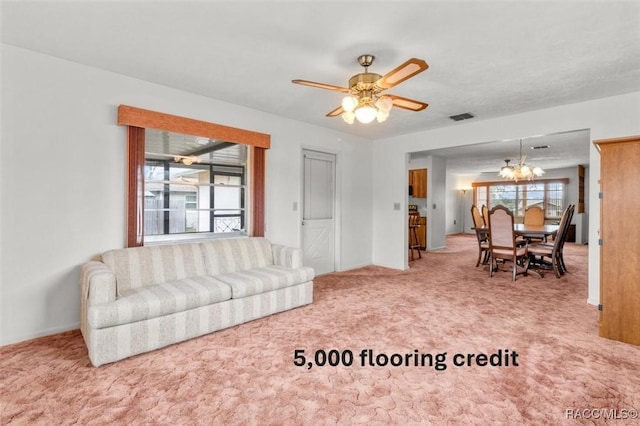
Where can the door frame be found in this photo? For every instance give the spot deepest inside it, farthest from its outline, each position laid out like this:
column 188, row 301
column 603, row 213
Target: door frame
column 337, row 202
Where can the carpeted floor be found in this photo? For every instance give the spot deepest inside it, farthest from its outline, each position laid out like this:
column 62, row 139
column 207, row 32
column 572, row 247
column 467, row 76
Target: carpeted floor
column 422, row 324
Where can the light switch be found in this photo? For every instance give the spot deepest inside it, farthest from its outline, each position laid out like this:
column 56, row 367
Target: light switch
column 396, row 206
column 295, row 206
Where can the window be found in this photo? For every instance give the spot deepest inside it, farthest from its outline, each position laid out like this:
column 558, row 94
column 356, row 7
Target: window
column 550, row 195
column 138, row 121
column 192, row 197
column 195, row 198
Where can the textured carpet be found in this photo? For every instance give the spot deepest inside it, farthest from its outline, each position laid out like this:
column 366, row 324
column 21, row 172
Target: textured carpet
column 415, row 322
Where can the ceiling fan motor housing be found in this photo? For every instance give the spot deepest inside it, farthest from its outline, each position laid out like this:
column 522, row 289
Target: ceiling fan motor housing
column 364, row 82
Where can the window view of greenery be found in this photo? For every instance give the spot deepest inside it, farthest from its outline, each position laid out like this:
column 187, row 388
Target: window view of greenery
column 550, row 196
column 187, row 194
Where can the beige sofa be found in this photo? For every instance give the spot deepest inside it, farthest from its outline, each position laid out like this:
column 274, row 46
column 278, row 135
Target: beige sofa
column 139, row 299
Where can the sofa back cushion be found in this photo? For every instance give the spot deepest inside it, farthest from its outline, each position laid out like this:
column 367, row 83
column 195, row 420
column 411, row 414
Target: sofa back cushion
column 140, row 266
column 236, row 254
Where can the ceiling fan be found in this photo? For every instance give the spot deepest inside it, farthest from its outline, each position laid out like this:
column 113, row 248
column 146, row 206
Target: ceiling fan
column 365, row 100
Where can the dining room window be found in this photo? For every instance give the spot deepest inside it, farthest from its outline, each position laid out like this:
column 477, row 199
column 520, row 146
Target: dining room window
column 550, row 195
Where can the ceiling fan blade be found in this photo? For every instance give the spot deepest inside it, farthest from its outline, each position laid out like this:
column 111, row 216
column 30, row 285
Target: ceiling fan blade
column 336, row 112
column 407, row 103
column 405, row 71
column 321, row 85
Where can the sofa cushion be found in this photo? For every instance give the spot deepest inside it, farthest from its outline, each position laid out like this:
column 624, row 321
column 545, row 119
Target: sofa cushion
column 156, row 300
column 261, row 280
column 236, row 254
column 136, row 267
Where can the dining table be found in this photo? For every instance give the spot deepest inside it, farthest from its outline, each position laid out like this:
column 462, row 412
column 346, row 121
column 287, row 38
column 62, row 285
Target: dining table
column 531, row 231
column 535, row 231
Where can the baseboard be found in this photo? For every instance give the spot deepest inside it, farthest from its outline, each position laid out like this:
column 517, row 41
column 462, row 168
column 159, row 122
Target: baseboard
column 593, row 302
column 30, row 336
column 352, row 267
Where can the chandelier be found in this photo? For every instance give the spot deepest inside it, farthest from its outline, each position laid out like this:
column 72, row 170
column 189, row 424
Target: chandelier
column 366, row 107
column 520, row 172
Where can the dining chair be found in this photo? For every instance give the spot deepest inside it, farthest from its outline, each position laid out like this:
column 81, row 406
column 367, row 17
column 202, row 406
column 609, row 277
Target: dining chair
column 502, row 242
column 553, row 251
column 485, row 214
column 534, row 215
column 567, row 225
column 481, row 235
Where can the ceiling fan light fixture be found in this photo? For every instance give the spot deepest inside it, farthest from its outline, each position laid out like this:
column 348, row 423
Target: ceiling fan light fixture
column 348, row 117
column 384, row 104
column 382, row 116
column 363, row 94
column 349, row 103
column 366, row 113
column 187, row 161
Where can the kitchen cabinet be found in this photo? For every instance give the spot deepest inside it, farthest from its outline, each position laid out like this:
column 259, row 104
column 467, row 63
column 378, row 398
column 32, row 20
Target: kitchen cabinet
column 418, row 183
column 619, row 236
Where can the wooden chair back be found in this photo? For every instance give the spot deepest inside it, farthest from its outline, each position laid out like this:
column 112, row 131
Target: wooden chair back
column 478, row 221
column 485, row 214
column 534, row 216
column 501, row 233
column 414, row 221
column 502, row 242
column 565, row 223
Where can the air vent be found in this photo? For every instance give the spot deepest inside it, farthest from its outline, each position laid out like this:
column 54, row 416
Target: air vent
column 463, row 116
column 540, row 147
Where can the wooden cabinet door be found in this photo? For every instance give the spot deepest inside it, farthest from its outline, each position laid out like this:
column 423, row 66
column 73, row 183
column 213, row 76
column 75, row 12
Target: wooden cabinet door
column 418, row 180
column 620, row 234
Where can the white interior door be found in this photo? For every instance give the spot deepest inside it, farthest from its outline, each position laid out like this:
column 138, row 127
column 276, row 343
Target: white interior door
column 318, row 218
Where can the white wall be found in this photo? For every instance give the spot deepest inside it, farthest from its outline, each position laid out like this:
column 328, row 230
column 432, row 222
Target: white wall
column 63, row 180
column 606, row 118
column 62, row 177
column 436, row 204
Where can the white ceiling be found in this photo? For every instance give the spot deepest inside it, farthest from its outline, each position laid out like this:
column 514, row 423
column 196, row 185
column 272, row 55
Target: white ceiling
column 555, row 151
column 489, row 58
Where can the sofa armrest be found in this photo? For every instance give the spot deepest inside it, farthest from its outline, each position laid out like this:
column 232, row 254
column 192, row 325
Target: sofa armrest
column 290, row 257
column 98, row 283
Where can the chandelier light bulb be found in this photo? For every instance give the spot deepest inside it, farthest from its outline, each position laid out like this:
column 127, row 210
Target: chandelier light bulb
column 521, row 171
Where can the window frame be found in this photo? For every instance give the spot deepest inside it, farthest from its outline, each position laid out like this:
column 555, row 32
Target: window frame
column 214, row 169
column 138, row 119
column 546, row 182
